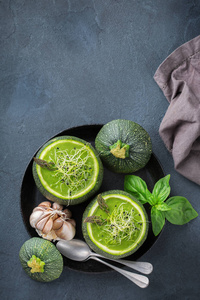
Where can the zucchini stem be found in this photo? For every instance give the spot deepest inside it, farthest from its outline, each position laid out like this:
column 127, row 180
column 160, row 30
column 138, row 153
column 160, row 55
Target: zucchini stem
column 120, row 150
column 36, row 264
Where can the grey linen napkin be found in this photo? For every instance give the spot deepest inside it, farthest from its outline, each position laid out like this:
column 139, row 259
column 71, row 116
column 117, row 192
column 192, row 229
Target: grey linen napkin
column 179, row 78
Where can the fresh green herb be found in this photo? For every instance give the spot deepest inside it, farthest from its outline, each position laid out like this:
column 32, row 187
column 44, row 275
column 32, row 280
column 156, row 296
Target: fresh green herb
column 161, row 190
column 137, row 188
column 157, row 219
column 181, row 211
column 177, row 210
column 162, row 206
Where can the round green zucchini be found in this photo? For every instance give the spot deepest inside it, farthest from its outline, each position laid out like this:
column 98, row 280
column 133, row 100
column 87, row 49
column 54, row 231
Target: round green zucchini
column 74, row 171
column 119, row 231
column 41, row 260
column 124, row 146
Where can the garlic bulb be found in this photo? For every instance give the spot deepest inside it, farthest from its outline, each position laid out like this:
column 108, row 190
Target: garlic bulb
column 52, row 222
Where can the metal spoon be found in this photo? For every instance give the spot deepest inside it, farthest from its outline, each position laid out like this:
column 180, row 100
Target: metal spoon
column 79, row 251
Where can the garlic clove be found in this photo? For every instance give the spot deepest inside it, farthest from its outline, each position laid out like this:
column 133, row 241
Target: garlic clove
column 49, row 236
column 54, row 217
column 38, row 208
column 35, row 217
column 48, row 226
column 46, row 213
column 57, row 206
column 52, row 222
column 68, row 213
column 57, row 223
column 41, row 223
column 72, row 221
column 45, row 204
column 66, row 232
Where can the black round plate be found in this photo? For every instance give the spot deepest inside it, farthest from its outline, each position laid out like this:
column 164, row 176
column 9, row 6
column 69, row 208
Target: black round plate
column 31, row 197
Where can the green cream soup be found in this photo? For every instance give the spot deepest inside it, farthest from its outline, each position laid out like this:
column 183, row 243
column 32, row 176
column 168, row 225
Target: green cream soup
column 122, row 229
column 76, row 169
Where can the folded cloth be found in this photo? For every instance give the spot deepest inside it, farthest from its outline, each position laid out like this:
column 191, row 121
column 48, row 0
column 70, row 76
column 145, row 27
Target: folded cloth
column 179, row 78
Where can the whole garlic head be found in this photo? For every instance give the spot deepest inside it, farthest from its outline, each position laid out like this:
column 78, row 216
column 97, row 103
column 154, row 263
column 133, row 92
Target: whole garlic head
column 52, row 222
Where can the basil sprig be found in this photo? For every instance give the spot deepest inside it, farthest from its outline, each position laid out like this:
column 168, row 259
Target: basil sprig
column 177, row 210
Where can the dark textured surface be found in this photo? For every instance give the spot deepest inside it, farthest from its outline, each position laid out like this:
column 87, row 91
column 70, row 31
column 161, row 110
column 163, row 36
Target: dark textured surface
column 70, row 63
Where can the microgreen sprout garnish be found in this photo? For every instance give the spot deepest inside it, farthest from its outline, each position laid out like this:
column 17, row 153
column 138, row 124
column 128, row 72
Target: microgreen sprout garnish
column 122, row 225
column 72, row 168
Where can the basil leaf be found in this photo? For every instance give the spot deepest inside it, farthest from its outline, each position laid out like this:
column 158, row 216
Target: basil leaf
column 137, row 187
column 161, row 189
column 157, row 220
column 181, row 211
column 163, row 206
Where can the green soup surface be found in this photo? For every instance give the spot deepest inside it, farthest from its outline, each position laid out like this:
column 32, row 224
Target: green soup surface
column 76, row 169
column 122, row 229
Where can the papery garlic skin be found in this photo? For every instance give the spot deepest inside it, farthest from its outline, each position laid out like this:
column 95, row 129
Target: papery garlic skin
column 52, row 222
column 51, row 236
column 57, row 206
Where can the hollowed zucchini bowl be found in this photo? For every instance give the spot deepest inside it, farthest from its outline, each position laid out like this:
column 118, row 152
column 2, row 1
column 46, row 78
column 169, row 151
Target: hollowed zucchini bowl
column 120, row 229
column 67, row 170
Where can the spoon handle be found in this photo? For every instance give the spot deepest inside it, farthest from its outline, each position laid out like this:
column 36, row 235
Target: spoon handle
column 140, row 280
column 143, row 267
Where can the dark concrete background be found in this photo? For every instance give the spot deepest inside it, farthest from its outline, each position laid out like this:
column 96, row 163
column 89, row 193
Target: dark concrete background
column 69, row 63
